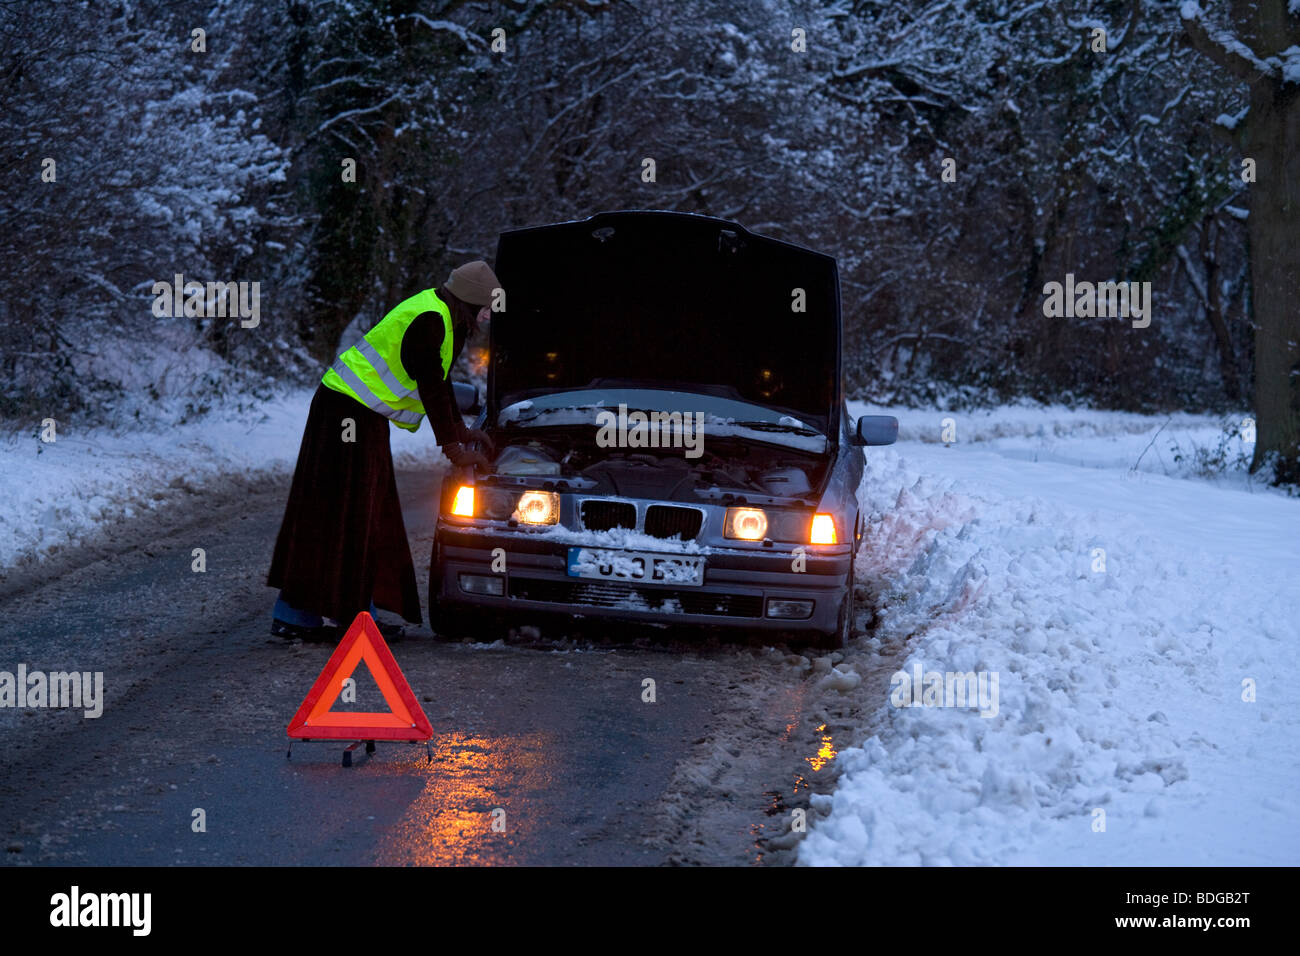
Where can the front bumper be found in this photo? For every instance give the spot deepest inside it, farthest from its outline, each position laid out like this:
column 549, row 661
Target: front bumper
column 738, row 589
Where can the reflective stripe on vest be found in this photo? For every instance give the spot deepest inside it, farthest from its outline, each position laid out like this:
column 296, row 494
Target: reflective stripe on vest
column 359, row 391
column 371, row 371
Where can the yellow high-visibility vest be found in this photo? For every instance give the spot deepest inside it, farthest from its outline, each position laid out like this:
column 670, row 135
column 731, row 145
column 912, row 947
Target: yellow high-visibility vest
column 371, row 371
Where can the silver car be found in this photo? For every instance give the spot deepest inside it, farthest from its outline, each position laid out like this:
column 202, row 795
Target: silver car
column 671, row 440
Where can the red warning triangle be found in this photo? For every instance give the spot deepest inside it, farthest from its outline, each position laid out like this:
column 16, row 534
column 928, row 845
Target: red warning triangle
column 405, row 721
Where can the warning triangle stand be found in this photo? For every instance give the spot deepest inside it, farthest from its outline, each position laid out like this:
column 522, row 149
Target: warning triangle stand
column 405, row 719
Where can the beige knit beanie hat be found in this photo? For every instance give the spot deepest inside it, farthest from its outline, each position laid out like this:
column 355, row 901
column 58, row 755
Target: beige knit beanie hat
column 473, row 283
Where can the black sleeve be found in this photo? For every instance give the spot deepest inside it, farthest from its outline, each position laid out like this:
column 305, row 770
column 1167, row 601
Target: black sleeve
column 420, row 358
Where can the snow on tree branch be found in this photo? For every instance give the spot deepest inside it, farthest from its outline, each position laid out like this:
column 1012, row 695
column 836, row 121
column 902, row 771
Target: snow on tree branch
column 1224, row 49
column 471, row 40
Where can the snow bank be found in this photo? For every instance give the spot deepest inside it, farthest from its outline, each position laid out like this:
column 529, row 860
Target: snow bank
column 1125, row 614
column 59, row 493
column 1156, row 444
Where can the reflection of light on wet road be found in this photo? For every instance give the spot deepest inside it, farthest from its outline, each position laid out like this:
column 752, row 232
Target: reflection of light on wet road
column 825, row 753
column 450, row 822
column 776, row 803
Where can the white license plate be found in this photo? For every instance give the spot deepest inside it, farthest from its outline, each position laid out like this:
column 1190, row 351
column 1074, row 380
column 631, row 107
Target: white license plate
column 638, row 566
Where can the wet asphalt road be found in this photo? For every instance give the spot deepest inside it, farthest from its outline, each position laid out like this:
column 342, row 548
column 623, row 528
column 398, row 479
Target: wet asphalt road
column 543, row 752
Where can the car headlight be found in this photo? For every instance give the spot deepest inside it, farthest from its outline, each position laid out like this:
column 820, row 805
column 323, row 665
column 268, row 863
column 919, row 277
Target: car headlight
column 538, row 507
column 505, row 504
column 823, row 530
column 463, row 503
column 747, row 524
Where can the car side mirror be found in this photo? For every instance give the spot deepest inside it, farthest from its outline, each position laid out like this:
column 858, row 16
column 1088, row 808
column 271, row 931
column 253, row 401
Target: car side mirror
column 466, row 398
column 876, row 430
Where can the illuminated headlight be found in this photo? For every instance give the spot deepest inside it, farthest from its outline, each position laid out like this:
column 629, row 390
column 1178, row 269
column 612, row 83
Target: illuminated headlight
column 747, row 524
column 463, row 504
column 823, row 530
column 538, row 507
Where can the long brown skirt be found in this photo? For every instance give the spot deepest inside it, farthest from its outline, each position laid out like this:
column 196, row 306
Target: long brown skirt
column 342, row 543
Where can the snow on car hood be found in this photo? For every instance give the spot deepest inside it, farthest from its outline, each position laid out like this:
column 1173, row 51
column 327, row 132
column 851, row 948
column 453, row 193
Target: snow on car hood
column 613, row 538
column 668, row 300
column 709, row 415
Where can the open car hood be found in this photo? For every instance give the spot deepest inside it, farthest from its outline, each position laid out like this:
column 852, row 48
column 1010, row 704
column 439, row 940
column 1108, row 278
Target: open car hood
column 666, row 300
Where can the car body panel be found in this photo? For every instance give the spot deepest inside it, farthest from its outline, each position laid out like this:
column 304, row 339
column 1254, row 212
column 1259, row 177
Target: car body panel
column 600, row 298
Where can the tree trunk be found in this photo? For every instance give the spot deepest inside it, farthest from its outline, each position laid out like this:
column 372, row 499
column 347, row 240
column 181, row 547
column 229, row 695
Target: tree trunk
column 1214, row 308
column 1264, row 32
column 1273, row 141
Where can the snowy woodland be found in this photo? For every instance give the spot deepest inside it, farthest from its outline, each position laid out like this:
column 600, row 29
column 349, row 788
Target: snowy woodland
column 954, row 156
column 1078, row 502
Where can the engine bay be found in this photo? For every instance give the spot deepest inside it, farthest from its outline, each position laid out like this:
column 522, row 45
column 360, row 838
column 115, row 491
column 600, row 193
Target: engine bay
column 731, row 467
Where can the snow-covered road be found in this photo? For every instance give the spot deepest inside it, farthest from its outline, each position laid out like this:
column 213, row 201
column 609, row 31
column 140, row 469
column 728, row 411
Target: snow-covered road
column 1124, row 687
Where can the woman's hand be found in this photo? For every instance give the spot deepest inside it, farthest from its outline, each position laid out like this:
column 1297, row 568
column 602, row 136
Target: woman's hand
column 474, row 436
column 462, row 457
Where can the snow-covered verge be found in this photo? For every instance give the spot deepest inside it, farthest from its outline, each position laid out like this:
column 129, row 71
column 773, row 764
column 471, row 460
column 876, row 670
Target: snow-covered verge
column 60, row 493
column 1179, row 445
column 1130, row 617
